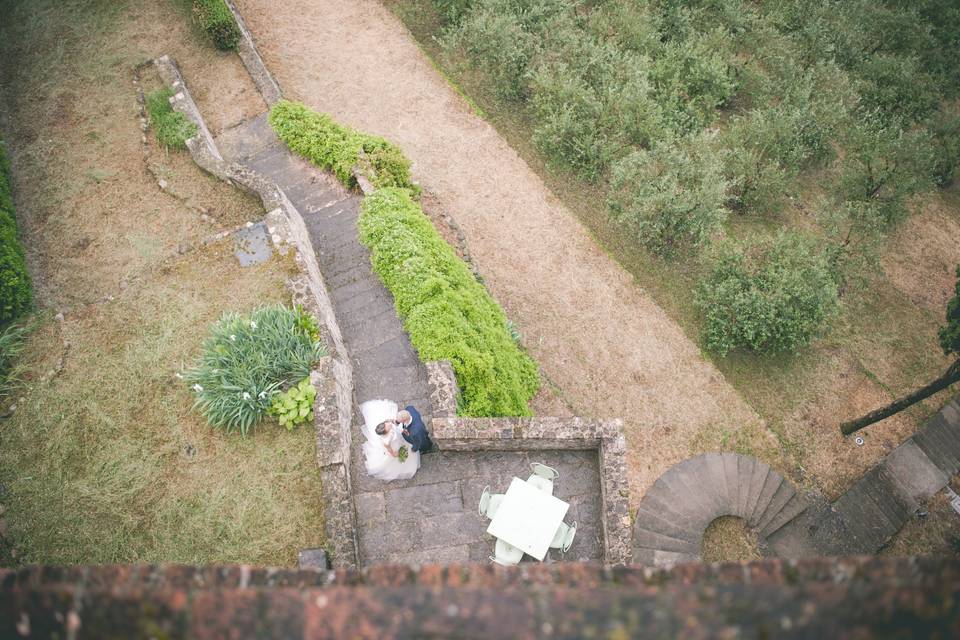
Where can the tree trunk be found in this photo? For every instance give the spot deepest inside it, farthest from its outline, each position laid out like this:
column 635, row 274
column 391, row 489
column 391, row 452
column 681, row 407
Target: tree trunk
column 951, row 375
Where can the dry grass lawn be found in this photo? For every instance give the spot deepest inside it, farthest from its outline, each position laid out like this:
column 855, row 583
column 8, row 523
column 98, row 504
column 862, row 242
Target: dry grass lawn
column 105, row 462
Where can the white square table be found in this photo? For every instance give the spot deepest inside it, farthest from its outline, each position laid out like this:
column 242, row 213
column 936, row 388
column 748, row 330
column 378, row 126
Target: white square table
column 528, row 518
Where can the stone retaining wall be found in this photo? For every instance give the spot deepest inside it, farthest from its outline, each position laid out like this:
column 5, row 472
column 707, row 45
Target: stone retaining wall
column 266, row 83
column 334, row 378
column 451, row 433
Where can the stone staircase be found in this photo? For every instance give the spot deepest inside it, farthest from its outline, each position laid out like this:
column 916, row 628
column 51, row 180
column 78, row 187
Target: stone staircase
column 676, row 511
column 878, row 504
column 385, row 363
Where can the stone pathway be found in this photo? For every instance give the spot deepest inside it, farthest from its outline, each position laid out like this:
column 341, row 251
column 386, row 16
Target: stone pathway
column 433, row 516
column 385, row 363
column 681, row 504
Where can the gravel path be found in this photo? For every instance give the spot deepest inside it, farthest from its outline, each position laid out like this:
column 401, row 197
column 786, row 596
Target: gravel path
column 596, row 334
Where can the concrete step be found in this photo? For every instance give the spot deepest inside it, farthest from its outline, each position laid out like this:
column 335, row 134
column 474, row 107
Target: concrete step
column 780, row 498
column 395, row 353
column 942, row 432
column 794, row 507
column 936, row 451
column 830, row 535
column 367, row 303
column 644, row 538
column 745, row 469
column 342, row 279
column 674, row 508
column 271, row 162
column 771, row 483
column 686, row 484
column 372, row 332
column 247, row 139
column 758, row 479
column 731, row 474
column 348, row 291
column 915, row 474
column 335, row 263
column 659, row 558
column 864, row 519
column 658, row 524
column 712, row 481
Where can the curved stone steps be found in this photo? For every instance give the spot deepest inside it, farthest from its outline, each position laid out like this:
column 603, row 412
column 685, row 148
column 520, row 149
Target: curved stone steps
column 682, row 503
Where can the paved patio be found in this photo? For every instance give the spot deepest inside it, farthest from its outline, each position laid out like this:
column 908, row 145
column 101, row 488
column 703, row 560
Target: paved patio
column 433, row 516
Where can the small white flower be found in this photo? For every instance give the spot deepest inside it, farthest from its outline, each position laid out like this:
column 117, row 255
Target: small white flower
column 233, row 337
column 197, row 388
column 262, row 394
column 246, row 396
column 178, row 375
column 253, row 324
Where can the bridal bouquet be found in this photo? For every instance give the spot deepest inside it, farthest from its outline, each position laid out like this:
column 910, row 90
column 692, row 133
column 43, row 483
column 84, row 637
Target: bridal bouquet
column 403, row 453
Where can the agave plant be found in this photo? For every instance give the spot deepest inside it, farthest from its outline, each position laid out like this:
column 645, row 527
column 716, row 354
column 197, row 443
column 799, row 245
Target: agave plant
column 246, row 360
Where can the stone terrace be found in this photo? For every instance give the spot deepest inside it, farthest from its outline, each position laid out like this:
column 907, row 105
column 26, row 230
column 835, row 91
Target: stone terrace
column 433, row 516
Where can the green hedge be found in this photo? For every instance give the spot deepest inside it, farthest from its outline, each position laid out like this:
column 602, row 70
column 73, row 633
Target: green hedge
column 15, row 288
column 171, row 127
column 448, row 314
column 330, row 145
column 216, row 20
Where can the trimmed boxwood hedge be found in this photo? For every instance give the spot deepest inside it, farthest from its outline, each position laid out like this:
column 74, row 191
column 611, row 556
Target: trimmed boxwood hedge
column 330, row 145
column 16, row 292
column 448, row 314
column 216, row 20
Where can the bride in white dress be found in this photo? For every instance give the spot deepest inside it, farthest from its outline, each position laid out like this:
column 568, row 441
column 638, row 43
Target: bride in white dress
column 382, row 451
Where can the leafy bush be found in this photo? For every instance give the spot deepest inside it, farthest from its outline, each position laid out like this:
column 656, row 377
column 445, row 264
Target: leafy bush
column 672, row 196
column 949, row 335
column 774, row 296
column 248, row 359
column 448, row 314
column 295, row 405
column 216, row 20
column 497, row 42
column 945, row 127
column 171, row 127
column 339, row 148
column 693, row 78
column 884, row 166
column 16, row 289
column 896, row 87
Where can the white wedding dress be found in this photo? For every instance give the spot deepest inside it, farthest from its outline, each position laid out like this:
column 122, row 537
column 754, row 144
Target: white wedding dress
column 379, row 463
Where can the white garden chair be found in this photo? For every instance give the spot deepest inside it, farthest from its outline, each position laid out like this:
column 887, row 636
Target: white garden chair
column 489, row 502
column 506, row 554
column 543, row 477
column 563, row 538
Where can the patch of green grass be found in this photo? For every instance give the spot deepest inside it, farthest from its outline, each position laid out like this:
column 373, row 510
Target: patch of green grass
column 16, row 288
column 448, row 314
column 171, row 127
column 216, row 20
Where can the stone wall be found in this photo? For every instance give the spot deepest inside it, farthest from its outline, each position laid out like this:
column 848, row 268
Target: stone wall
column 334, row 405
column 830, row 598
column 451, row 433
column 266, row 83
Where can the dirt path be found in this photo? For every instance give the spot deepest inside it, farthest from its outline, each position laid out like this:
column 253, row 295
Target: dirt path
column 595, row 333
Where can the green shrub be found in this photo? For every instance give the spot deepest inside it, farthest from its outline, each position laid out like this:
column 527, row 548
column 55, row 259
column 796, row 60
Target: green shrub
column 295, row 405
column 172, row 128
column 896, row 87
column 216, row 20
column 339, row 148
column 885, row 165
column 248, row 359
column 448, row 314
column 945, row 127
column 773, row 297
column 757, row 184
column 16, row 289
column 497, row 43
column 949, row 334
column 671, row 196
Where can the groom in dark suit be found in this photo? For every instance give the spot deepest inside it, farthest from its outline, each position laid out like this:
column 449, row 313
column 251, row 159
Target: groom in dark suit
column 414, row 431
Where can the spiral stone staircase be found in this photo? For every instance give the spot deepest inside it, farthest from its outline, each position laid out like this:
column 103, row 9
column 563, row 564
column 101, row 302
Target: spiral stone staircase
column 676, row 511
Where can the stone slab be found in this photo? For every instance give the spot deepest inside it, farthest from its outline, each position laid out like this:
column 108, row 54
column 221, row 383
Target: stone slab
column 251, row 245
column 914, row 471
